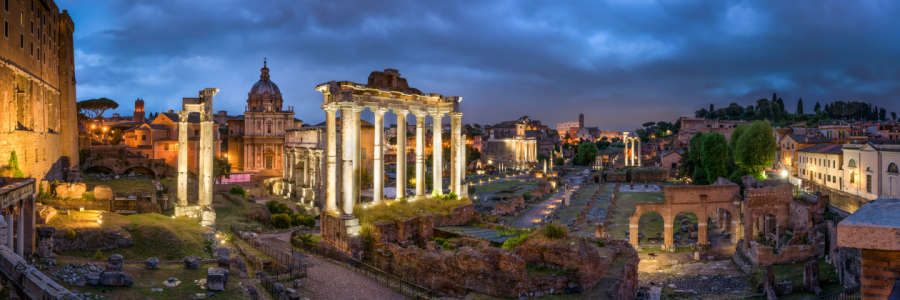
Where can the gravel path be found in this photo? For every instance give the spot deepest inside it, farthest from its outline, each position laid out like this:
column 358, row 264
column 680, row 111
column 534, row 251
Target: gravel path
column 700, row 284
column 329, row 281
column 542, row 209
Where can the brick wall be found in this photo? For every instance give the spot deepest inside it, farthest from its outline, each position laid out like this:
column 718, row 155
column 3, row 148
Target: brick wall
column 879, row 272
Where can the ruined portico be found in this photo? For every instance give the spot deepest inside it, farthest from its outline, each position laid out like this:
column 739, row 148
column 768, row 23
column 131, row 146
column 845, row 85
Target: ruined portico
column 632, row 150
column 203, row 105
column 385, row 91
column 699, row 200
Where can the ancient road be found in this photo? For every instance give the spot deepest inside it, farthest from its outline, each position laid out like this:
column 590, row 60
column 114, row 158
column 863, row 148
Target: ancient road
column 329, row 281
column 542, row 209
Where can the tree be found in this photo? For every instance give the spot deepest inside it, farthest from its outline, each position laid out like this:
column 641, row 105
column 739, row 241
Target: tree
column 94, row 108
column 817, row 108
column 882, row 114
column 713, row 152
column 221, row 168
column 701, row 113
column 712, row 112
column 115, row 136
column 893, row 116
column 756, row 148
column 588, row 152
column 799, row 107
column 690, row 161
column 648, row 124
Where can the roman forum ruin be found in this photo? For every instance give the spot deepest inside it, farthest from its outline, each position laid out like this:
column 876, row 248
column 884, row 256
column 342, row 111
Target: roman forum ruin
column 632, row 150
column 385, row 91
column 203, row 105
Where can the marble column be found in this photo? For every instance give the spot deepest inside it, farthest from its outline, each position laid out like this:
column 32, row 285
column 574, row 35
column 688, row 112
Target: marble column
column 20, row 231
column 357, row 158
column 348, row 155
column 420, row 153
column 331, row 159
column 206, row 153
column 378, row 160
column 456, row 164
column 638, row 140
column 437, row 149
column 401, row 153
column 182, row 157
column 463, row 188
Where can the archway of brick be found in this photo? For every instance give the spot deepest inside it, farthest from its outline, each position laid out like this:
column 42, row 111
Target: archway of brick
column 100, row 169
column 722, row 218
column 650, row 224
column 764, row 228
column 684, row 223
column 140, row 170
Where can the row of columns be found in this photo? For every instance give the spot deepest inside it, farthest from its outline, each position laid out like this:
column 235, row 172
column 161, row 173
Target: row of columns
column 526, row 151
column 15, row 216
column 632, row 157
column 350, row 155
column 301, row 169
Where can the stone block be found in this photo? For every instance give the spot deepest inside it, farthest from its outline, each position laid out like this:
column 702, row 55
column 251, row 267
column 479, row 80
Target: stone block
column 103, row 192
column 216, row 279
column 223, row 257
column 279, row 287
column 72, row 190
column 44, row 214
column 92, row 278
column 45, row 241
column 152, row 263
column 114, row 264
column 124, row 242
column 115, row 279
column 191, row 262
column 297, row 283
column 252, row 291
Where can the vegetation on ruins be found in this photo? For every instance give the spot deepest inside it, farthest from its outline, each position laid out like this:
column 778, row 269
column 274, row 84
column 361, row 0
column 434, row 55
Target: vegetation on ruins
column 94, row 108
column 392, row 210
column 12, row 167
column 555, row 231
column 238, row 191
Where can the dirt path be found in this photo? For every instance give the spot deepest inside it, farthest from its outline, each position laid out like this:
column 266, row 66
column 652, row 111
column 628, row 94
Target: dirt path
column 329, row 281
column 542, row 209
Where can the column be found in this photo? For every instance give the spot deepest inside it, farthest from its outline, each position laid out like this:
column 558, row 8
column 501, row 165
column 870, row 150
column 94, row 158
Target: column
column 456, row 164
column 633, row 234
column 638, row 140
column 9, row 229
column 438, row 147
column 348, row 155
column 20, row 234
column 420, row 153
column 462, row 161
column 378, row 167
column 669, row 234
column 401, row 153
column 701, row 232
column 182, row 157
column 205, row 156
column 331, row 159
column 357, row 151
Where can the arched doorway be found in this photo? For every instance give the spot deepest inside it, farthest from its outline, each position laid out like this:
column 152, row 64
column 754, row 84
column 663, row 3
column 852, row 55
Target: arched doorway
column 764, row 230
column 141, row 170
column 269, row 158
column 651, row 229
column 100, row 169
column 685, row 231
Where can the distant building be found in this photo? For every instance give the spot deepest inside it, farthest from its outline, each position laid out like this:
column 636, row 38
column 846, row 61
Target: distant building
column 690, row 126
column 790, row 143
column 822, row 165
column 509, row 144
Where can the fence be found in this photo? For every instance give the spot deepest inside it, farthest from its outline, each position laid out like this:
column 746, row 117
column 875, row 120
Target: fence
column 293, row 267
column 852, row 293
column 269, row 286
column 837, row 199
column 342, row 259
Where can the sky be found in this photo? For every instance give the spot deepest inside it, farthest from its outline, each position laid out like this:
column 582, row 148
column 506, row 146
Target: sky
column 619, row 62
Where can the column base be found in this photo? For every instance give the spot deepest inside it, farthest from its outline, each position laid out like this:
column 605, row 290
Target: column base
column 670, row 248
column 341, row 233
column 347, row 217
column 703, row 247
column 187, row 211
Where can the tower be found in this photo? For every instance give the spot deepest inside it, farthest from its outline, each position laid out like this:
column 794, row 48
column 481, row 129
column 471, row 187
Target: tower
column 139, row 111
column 580, row 121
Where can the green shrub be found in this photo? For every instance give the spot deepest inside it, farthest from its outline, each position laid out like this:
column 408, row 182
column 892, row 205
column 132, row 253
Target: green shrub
column 556, row 231
column 88, row 196
column 306, row 239
column 276, row 207
column 526, row 195
column 238, row 191
column 280, row 221
column 301, row 219
column 513, row 243
column 98, row 255
column 367, row 231
column 71, row 234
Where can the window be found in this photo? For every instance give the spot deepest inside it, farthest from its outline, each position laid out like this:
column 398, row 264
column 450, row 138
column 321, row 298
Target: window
column 6, row 5
column 852, row 176
column 892, row 168
column 143, row 137
column 5, row 29
column 32, row 27
column 851, row 164
column 269, row 128
column 868, row 183
column 32, row 49
column 196, row 132
column 21, row 41
column 166, row 147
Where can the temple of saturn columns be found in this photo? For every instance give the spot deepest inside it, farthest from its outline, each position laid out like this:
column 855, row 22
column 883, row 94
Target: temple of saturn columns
column 204, row 106
column 385, row 91
column 632, row 150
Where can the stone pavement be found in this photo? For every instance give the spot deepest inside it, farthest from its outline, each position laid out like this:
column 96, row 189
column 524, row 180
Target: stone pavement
column 330, row 281
column 540, row 210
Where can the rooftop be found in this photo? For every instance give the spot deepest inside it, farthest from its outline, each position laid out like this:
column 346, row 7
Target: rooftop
column 874, row 226
column 824, row 149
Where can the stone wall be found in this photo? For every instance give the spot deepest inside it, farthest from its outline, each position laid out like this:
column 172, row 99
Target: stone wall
column 761, row 255
column 77, row 190
column 649, row 175
column 620, row 177
column 87, row 239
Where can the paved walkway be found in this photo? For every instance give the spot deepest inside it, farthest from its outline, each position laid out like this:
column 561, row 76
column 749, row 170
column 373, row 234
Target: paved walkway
column 540, row 210
column 330, row 281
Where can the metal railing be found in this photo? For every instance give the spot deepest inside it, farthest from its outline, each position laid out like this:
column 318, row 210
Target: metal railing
column 853, row 293
column 395, row 283
column 292, row 266
column 269, row 286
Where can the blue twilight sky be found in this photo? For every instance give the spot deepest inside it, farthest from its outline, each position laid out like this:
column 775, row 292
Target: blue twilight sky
column 620, row 62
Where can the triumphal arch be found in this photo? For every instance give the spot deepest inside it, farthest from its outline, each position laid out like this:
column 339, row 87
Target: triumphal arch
column 699, row 200
column 385, row 91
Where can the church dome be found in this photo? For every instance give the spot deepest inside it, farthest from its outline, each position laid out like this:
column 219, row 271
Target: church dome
column 265, row 85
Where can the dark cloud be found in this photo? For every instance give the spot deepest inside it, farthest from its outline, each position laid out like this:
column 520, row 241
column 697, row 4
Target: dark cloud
column 621, row 63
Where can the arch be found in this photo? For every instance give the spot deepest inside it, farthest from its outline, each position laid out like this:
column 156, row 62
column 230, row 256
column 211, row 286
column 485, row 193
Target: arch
column 653, row 227
column 765, row 229
column 100, row 169
column 892, row 168
column 140, row 170
column 685, row 226
column 851, row 163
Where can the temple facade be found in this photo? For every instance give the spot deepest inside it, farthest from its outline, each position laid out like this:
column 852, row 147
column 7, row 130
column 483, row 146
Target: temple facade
column 511, row 144
column 256, row 138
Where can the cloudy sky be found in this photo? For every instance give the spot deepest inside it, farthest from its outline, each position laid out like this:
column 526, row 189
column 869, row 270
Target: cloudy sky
column 620, row 62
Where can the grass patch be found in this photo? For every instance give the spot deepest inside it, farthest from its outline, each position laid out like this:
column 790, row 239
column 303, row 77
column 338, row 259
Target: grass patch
column 391, row 210
column 153, row 235
column 626, row 202
column 496, row 187
column 121, row 185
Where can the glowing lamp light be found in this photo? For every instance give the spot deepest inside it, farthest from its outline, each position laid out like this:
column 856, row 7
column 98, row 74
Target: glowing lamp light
column 99, row 221
column 784, row 173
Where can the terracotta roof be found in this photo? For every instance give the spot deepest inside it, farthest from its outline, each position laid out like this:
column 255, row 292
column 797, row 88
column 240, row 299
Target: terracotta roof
column 194, row 117
column 815, row 139
column 824, row 149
